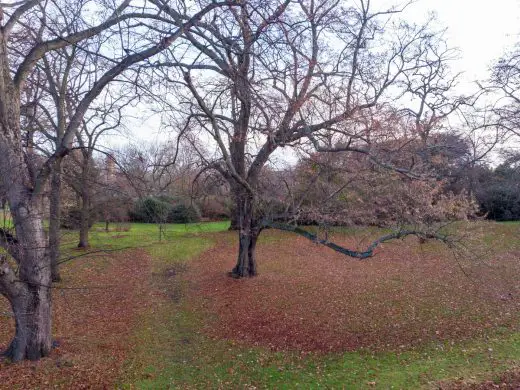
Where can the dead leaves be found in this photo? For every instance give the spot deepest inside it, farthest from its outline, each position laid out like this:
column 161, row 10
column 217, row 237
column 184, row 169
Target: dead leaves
column 309, row 298
column 93, row 327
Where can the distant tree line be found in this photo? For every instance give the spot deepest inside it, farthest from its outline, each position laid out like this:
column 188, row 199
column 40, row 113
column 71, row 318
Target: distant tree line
column 360, row 192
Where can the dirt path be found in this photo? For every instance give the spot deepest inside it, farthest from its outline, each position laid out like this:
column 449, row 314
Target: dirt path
column 93, row 327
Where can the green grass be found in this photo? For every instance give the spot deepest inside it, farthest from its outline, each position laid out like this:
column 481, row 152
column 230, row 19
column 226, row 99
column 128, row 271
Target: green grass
column 141, row 235
column 172, row 352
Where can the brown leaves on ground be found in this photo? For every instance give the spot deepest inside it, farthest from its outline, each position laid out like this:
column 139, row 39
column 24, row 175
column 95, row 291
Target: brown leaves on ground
column 93, row 326
column 306, row 298
column 510, row 380
column 309, row 298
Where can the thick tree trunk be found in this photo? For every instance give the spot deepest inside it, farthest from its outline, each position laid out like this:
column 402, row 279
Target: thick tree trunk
column 27, row 285
column 55, row 221
column 29, row 292
column 248, row 235
column 32, row 311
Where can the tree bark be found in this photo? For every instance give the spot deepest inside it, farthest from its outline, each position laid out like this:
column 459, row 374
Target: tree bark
column 55, row 221
column 84, row 221
column 28, row 288
column 29, row 292
column 248, row 235
column 32, row 311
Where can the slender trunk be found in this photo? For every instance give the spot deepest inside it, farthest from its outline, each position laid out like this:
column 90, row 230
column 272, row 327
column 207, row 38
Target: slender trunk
column 55, row 221
column 85, row 206
column 248, row 235
column 30, row 298
column 84, row 220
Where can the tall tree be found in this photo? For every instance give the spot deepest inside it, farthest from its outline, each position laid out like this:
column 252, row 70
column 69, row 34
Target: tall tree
column 270, row 75
column 27, row 33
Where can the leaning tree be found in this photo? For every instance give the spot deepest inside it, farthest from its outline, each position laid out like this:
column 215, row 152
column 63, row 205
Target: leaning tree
column 28, row 30
column 267, row 76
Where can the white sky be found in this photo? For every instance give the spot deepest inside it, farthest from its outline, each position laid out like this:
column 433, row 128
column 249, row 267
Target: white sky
column 482, row 30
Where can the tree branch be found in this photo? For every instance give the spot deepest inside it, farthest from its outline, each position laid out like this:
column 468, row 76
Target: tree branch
column 369, row 252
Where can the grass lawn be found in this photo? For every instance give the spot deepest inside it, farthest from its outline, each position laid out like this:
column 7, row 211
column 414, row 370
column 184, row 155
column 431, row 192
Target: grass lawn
column 167, row 316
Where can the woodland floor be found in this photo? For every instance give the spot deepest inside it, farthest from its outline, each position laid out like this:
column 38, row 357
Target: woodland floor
column 167, row 316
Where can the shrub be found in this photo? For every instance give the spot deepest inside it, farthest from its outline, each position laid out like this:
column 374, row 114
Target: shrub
column 151, row 210
column 182, row 213
column 214, row 209
column 71, row 219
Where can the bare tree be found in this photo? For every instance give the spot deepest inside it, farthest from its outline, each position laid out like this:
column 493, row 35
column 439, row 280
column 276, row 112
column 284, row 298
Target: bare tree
column 104, row 118
column 27, row 33
column 505, row 84
column 271, row 75
column 67, row 74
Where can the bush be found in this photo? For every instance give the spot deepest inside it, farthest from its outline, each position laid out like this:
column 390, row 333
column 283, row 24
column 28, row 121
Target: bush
column 151, row 210
column 182, row 213
column 160, row 210
column 214, row 209
column 501, row 203
column 72, row 219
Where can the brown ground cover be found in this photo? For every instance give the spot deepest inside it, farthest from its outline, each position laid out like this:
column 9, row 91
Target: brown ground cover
column 306, row 298
column 94, row 326
column 310, row 298
column 509, row 380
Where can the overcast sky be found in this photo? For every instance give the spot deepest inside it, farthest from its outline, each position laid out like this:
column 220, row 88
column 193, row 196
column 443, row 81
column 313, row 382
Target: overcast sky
column 481, row 29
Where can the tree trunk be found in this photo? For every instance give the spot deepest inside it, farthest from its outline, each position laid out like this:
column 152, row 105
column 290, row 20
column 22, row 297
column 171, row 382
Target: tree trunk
column 55, row 221
column 29, row 292
column 84, row 220
column 85, row 206
column 234, row 220
column 26, row 286
column 32, row 311
column 248, row 235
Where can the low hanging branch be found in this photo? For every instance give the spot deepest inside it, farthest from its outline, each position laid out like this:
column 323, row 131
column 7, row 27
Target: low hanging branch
column 369, row 252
